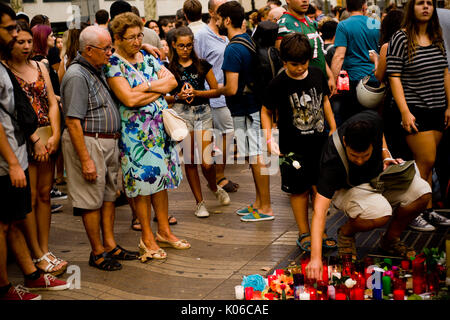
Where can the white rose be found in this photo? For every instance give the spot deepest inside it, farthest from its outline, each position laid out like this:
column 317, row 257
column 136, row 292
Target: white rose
column 296, row 164
column 350, row 283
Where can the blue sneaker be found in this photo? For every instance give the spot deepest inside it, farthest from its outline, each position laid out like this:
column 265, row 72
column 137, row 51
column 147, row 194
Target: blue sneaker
column 245, row 211
column 256, row 216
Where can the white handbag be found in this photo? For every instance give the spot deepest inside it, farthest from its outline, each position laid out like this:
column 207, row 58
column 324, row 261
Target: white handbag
column 174, row 125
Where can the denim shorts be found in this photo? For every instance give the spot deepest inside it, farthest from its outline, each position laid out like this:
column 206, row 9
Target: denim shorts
column 196, row 117
column 247, row 131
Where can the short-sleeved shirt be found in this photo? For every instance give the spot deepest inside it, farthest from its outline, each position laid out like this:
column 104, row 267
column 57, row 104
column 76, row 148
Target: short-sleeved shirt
column 211, row 47
column 333, row 175
column 7, row 102
column 288, row 23
column 423, row 77
column 151, row 37
column 358, row 34
column 195, row 77
column 86, row 96
column 238, row 59
column 300, row 108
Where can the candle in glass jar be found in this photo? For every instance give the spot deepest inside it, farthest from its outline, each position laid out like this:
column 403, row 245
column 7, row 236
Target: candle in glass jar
column 239, row 292
column 357, row 294
column 405, row 265
column 341, row 296
column 331, row 292
column 399, row 294
column 305, row 295
column 386, row 285
column 312, row 294
column 248, row 293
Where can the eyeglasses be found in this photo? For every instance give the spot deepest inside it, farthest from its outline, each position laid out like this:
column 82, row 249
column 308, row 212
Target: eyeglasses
column 139, row 37
column 185, row 46
column 11, row 28
column 105, row 49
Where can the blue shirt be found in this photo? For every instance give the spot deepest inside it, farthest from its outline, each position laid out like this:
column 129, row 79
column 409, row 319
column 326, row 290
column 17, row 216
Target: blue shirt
column 237, row 58
column 358, row 34
column 211, row 47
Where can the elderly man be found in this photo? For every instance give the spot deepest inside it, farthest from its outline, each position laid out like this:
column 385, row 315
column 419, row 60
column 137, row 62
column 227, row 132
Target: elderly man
column 90, row 146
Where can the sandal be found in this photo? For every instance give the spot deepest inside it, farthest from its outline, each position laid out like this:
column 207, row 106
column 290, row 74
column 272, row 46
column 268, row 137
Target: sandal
column 397, row 248
column 305, row 245
column 230, row 186
column 346, row 245
column 180, row 244
column 147, row 254
column 108, row 263
column 123, row 254
column 325, row 245
column 55, row 267
column 136, row 225
column 172, row 220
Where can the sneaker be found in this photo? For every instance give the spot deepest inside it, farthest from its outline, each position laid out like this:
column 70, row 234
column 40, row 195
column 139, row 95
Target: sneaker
column 245, row 211
column 436, row 218
column 20, row 293
column 46, row 282
column 222, row 196
column 56, row 207
column 55, row 194
column 420, row 224
column 201, row 211
column 256, row 216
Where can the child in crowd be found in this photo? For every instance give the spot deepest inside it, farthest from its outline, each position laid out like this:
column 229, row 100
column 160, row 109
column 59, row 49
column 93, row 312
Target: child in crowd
column 300, row 96
column 191, row 101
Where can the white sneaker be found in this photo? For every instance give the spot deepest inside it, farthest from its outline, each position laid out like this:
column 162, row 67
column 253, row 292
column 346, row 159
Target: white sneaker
column 201, row 211
column 420, row 224
column 222, row 196
column 436, row 218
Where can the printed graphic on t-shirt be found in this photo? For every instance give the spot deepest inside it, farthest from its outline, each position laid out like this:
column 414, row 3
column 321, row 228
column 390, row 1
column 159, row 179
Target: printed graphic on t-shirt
column 307, row 111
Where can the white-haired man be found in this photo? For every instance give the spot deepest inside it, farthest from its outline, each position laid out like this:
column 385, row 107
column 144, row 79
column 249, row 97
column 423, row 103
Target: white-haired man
column 90, row 146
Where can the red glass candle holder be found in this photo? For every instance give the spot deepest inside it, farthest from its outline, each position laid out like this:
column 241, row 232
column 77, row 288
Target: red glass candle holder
column 341, row 292
column 248, row 293
column 356, row 293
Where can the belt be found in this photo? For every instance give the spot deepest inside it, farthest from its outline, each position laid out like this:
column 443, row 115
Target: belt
column 97, row 135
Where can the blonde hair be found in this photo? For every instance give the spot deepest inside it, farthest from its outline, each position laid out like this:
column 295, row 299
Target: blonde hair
column 123, row 21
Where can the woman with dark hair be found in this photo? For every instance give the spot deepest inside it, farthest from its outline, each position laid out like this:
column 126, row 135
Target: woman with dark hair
column 70, row 50
column 165, row 25
column 149, row 160
column 191, row 101
column 420, row 82
column 153, row 24
column 35, row 81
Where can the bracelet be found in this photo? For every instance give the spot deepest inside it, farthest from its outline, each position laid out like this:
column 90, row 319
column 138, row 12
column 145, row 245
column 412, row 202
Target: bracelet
column 268, row 141
column 149, row 86
column 34, row 142
column 176, row 97
column 385, row 159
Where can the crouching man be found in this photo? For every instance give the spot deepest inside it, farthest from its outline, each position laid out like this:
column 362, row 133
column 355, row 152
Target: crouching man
column 367, row 155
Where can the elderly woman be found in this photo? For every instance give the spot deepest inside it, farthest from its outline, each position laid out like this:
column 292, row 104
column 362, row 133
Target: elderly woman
column 149, row 161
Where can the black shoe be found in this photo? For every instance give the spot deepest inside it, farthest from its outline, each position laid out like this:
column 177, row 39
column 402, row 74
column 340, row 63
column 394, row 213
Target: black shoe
column 55, row 194
column 123, row 254
column 108, row 263
column 56, row 207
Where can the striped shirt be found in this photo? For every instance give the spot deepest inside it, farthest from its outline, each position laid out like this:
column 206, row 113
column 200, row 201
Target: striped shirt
column 85, row 95
column 423, row 77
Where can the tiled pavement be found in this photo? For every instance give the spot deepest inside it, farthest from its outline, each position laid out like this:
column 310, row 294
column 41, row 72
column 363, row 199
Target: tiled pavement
column 224, row 249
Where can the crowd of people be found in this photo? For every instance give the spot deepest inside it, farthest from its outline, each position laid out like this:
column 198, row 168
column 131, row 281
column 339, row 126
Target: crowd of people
column 338, row 97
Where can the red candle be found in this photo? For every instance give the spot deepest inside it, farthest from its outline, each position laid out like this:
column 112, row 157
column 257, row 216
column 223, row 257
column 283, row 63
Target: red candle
column 418, row 284
column 248, row 293
column 325, row 274
column 341, row 296
column 312, row 294
column 279, row 272
column 399, row 294
column 357, row 294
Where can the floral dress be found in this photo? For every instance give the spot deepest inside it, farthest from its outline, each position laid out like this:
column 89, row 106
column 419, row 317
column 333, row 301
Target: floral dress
column 148, row 156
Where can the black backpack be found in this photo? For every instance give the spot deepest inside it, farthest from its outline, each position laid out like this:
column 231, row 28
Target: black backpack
column 24, row 118
column 266, row 62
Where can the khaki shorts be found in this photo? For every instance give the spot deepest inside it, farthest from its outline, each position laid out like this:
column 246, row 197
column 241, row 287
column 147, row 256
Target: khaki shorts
column 357, row 202
column 105, row 154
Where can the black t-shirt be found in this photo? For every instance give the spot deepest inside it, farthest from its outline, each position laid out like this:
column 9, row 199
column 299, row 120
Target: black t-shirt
column 332, row 171
column 300, row 108
column 195, row 77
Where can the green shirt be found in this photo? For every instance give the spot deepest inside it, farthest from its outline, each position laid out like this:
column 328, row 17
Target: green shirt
column 289, row 24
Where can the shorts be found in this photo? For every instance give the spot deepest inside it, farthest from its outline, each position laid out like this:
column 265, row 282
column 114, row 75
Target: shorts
column 222, row 120
column 428, row 119
column 196, row 117
column 297, row 181
column 16, row 202
column 357, row 202
column 247, row 131
column 105, row 154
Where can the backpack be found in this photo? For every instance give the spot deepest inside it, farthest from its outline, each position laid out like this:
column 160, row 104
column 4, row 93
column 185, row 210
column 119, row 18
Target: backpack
column 24, row 118
column 266, row 61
